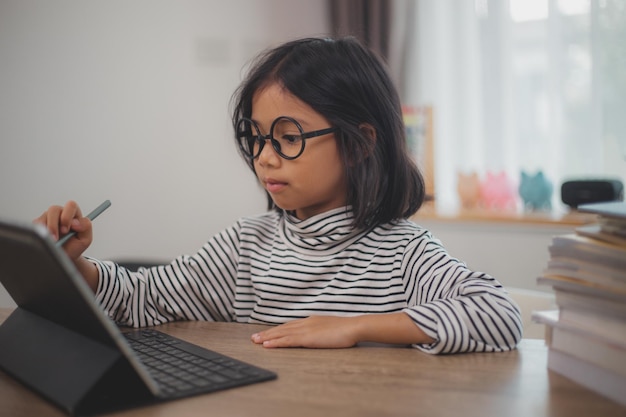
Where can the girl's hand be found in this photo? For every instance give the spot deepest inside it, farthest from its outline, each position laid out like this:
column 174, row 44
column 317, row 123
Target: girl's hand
column 311, row 332
column 61, row 220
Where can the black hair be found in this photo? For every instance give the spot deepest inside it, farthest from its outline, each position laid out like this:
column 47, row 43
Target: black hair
column 347, row 84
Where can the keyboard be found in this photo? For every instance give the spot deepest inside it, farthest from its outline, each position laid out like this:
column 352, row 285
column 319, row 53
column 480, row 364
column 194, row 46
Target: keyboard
column 182, row 369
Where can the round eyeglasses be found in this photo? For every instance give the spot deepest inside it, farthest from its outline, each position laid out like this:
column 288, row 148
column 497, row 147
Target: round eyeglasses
column 286, row 135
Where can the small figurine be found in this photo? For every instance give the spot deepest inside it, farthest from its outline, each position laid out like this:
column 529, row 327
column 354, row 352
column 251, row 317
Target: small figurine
column 498, row 192
column 468, row 189
column 535, row 191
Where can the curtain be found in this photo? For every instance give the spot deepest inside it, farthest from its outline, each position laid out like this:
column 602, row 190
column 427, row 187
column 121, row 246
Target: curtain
column 517, row 89
column 386, row 26
column 366, row 20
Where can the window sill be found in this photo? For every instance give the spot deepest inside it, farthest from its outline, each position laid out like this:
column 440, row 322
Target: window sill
column 567, row 218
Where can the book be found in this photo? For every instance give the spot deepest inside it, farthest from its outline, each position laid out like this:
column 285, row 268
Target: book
column 596, row 231
column 603, row 381
column 609, row 209
column 590, row 302
column 579, row 286
column 585, row 249
column 606, row 328
column 590, row 347
column 611, row 224
column 588, row 309
column 586, row 271
column 577, row 336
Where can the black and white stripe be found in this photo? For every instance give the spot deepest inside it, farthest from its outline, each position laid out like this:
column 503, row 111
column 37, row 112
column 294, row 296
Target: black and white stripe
column 273, row 268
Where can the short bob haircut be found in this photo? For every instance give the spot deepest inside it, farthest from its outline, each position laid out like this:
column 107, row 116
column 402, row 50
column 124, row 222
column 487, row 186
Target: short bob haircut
column 348, row 85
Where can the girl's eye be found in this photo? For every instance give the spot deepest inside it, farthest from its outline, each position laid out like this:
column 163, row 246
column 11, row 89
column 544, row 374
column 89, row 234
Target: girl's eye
column 287, row 132
column 291, row 139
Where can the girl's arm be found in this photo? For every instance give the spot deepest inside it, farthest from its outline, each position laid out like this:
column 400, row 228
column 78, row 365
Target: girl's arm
column 341, row 332
column 198, row 287
column 89, row 271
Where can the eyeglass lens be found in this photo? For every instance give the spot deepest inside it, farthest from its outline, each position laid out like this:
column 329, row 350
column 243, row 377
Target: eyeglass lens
column 285, row 135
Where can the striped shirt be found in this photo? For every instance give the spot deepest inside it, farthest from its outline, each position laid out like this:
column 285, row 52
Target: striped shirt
column 273, row 268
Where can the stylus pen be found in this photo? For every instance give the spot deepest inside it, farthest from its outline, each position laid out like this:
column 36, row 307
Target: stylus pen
column 91, row 216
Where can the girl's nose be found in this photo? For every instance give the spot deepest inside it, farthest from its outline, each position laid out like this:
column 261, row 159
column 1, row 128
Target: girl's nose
column 268, row 155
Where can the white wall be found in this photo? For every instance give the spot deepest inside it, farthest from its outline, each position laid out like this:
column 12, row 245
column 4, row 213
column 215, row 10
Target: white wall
column 513, row 253
column 128, row 100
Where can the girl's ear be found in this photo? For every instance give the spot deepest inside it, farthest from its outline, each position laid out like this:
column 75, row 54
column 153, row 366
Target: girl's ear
column 369, row 133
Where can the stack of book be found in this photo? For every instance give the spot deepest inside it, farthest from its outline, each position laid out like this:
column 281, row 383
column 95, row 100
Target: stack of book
column 586, row 336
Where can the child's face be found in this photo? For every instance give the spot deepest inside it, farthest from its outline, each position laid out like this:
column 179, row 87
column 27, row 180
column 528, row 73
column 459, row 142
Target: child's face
column 315, row 181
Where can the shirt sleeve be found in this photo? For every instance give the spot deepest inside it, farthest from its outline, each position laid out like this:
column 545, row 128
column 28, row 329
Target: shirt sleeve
column 198, row 287
column 462, row 310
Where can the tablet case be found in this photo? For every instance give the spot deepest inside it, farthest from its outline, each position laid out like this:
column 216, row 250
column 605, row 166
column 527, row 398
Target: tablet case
column 57, row 341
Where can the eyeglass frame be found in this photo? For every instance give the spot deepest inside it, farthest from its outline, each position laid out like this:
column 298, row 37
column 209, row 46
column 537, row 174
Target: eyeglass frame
column 261, row 138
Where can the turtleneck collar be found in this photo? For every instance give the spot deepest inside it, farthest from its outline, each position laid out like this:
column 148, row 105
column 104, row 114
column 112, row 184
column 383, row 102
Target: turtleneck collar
column 322, row 235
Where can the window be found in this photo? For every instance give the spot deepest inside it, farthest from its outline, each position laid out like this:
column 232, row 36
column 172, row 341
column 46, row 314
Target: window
column 521, row 85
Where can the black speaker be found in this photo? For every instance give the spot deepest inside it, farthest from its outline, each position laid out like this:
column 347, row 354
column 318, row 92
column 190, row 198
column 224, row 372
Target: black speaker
column 577, row 192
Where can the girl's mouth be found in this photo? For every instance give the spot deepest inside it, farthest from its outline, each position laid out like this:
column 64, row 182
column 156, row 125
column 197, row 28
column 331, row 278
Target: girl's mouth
column 273, row 186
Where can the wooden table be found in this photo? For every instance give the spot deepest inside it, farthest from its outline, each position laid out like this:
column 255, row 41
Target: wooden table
column 363, row 381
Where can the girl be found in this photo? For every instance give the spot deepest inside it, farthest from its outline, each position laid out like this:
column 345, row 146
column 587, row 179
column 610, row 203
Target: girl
column 335, row 261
